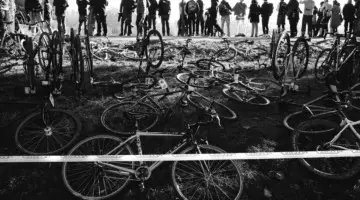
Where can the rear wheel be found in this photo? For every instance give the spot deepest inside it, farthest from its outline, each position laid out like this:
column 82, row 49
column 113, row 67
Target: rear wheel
column 121, row 118
column 332, row 168
column 154, row 49
column 208, row 105
column 324, row 63
column 300, row 57
column 217, row 179
column 281, row 52
column 97, row 180
column 44, row 51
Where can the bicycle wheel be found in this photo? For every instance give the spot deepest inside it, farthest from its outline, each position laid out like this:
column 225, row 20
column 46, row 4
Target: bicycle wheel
column 141, row 82
column 44, row 54
column 281, row 52
column 207, row 64
column 35, row 137
column 154, row 49
column 224, row 55
column 57, row 53
column 239, row 93
column 266, row 87
column 214, row 179
column 207, row 104
column 331, row 168
column 292, row 120
column 301, row 57
column 119, row 118
column 324, row 63
column 194, row 80
column 97, row 180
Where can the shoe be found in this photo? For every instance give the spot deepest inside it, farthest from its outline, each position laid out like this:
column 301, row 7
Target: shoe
column 98, row 34
column 121, row 34
column 105, row 34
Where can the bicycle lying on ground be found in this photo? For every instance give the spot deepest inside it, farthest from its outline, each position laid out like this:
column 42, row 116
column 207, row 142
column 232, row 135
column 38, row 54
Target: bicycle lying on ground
column 204, row 179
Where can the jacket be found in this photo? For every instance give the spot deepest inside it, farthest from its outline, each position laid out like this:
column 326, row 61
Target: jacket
column 308, row 7
column 293, row 9
column 335, row 17
column 349, row 11
column 47, row 11
column 140, row 7
column 127, row 6
column 163, row 10
column 153, row 7
column 240, row 9
column 227, row 6
column 282, row 9
column 82, row 5
column 254, row 13
column 33, row 6
column 266, row 10
column 201, row 7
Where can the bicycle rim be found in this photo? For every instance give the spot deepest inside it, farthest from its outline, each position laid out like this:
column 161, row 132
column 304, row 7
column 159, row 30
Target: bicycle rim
column 280, row 56
column 292, row 120
column 332, row 168
column 218, row 179
column 154, row 49
column 300, row 57
column 224, row 55
column 56, row 46
column 206, row 105
column 116, row 120
column 44, row 51
column 35, row 137
column 243, row 95
column 94, row 180
column 323, row 65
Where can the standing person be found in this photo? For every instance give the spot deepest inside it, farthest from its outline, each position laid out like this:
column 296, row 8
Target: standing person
column 60, row 8
column 200, row 18
column 266, row 12
column 213, row 26
column 126, row 9
column 281, row 18
column 225, row 12
column 91, row 17
column 240, row 12
column 152, row 7
column 191, row 10
column 293, row 16
column 164, row 13
column 47, row 13
column 82, row 9
column 254, row 16
column 349, row 16
column 307, row 17
column 182, row 23
column 319, row 19
column 34, row 9
column 314, row 21
column 100, row 9
column 140, row 10
column 326, row 10
column 336, row 17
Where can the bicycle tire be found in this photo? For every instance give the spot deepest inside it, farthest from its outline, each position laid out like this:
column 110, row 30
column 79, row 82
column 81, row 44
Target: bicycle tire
column 203, row 104
column 145, row 82
column 193, row 80
column 44, row 46
column 241, row 94
column 320, row 70
column 229, row 54
column 119, row 117
column 310, row 164
column 161, row 58
column 207, row 63
column 80, row 71
column 36, row 118
column 89, row 143
column 292, row 120
column 298, row 73
column 274, row 63
column 57, row 53
column 235, row 184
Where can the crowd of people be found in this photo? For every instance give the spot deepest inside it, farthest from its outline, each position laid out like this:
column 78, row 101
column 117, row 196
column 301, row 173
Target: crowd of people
column 194, row 19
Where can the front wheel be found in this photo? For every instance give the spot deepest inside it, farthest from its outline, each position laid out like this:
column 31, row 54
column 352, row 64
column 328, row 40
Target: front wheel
column 224, row 55
column 97, row 180
column 217, row 179
column 324, row 64
column 331, row 168
column 154, row 49
column 300, row 57
column 34, row 136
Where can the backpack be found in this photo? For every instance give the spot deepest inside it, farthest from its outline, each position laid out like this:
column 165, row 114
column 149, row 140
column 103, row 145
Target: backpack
column 192, row 7
column 223, row 10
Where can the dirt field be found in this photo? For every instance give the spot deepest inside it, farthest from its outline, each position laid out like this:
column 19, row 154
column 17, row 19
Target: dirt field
column 257, row 129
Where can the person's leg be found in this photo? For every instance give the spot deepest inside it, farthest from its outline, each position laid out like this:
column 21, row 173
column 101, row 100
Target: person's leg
column 80, row 24
column 303, row 25
column 202, row 24
column 256, row 29
column 228, row 24
column 154, row 22
column 129, row 21
column 351, row 26
column 103, row 21
column 163, row 25
column 194, row 25
column 167, row 26
column 266, row 25
column 197, row 25
column 310, row 27
column 222, row 22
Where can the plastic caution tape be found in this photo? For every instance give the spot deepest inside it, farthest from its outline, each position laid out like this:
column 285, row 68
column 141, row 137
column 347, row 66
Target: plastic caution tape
column 181, row 157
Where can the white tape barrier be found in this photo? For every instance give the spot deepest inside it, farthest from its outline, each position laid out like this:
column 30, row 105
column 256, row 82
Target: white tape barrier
column 181, row 157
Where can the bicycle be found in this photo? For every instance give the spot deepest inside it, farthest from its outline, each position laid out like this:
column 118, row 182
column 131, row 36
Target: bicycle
column 343, row 137
column 187, row 176
column 150, row 102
